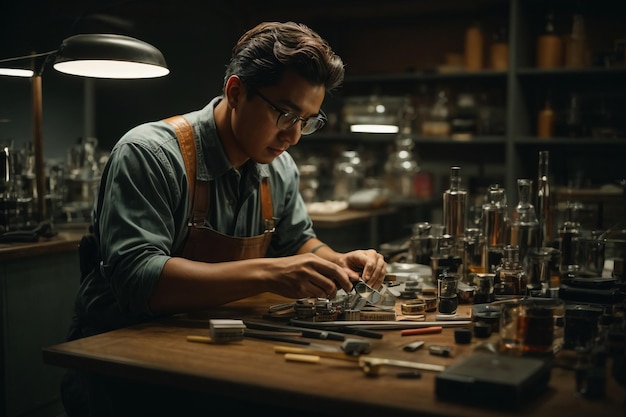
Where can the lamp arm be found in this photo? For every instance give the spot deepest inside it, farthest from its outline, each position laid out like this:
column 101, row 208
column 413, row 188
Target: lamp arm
column 37, row 65
column 19, row 58
column 40, row 174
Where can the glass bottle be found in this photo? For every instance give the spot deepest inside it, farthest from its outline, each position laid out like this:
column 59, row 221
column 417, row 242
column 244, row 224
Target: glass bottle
column 568, row 240
column 348, row 175
column 494, row 216
column 473, row 244
column 572, row 118
column 538, row 272
column 544, row 209
column 524, row 226
column 437, row 122
column 464, row 123
column 493, row 224
column 455, row 205
column 420, row 247
column 444, row 254
column 549, row 45
column 546, row 120
column 499, row 51
column 510, row 277
column 474, row 47
column 401, row 167
column 576, row 43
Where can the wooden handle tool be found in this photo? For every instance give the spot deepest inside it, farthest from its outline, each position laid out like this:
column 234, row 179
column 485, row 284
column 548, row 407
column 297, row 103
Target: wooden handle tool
column 314, row 352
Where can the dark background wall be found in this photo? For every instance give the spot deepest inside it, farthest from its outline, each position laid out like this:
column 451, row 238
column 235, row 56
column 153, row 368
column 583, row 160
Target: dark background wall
column 392, row 36
column 195, row 37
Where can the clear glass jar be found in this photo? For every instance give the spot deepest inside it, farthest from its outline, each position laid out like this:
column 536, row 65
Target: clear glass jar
column 401, row 167
column 348, row 173
column 524, row 225
column 510, row 278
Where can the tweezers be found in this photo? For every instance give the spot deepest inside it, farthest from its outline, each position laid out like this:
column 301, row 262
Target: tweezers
column 306, row 331
column 265, row 335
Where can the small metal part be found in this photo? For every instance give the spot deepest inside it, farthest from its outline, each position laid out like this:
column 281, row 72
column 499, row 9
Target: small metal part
column 412, row 347
column 440, row 350
column 371, row 366
column 356, row 347
column 226, row 330
column 448, row 317
column 367, row 292
column 352, row 315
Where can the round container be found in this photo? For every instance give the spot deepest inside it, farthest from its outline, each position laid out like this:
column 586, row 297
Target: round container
column 532, row 326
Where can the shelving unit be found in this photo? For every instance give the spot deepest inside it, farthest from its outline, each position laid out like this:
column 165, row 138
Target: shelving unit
column 586, row 160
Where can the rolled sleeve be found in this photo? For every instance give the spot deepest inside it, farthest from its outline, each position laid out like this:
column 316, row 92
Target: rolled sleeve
column 140, row 219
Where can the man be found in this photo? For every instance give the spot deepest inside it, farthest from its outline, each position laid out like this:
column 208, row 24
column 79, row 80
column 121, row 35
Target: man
column 242, row 242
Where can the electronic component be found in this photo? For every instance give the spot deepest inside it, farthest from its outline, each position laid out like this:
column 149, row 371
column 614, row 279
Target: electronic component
column 356, row 347
column 462, row 336
column 440, row 350
column 412, row 347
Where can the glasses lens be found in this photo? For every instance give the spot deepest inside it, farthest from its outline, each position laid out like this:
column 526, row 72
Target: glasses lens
column 311, row 125
column 286, row 121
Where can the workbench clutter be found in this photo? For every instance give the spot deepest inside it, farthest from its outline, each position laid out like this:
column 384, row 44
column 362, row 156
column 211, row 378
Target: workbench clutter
column 535, row 250
column 477, row 346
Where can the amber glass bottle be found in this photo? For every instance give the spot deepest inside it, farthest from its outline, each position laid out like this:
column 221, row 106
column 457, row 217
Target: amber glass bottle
column 549, row 45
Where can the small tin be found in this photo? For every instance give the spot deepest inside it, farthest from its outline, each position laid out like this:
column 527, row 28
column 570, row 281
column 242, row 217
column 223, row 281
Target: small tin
column 430, row 304
column 413, row 307
column 226, row 330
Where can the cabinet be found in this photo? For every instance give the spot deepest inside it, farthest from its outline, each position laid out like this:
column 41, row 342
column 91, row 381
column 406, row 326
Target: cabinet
column 38, row 282
column 410, row 55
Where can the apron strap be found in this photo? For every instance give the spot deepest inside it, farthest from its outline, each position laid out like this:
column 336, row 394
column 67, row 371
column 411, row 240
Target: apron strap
column 267, row 209
column 200, row 202
column 184, row 133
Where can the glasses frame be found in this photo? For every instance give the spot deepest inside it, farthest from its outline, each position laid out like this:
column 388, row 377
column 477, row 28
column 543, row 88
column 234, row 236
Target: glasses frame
column 284, row 113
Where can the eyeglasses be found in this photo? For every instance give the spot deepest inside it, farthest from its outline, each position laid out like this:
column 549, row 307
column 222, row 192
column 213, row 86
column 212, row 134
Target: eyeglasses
column 286, row 119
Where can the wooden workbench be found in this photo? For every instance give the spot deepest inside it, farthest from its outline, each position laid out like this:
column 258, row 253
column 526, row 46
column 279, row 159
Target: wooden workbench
column 203, row 378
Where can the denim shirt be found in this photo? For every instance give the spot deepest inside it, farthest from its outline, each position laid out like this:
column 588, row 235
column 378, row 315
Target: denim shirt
column 140, row 215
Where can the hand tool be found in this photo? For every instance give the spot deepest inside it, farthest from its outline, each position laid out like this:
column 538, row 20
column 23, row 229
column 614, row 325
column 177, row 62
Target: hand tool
column 423, row 330
column 371, row 366
column 315, row 352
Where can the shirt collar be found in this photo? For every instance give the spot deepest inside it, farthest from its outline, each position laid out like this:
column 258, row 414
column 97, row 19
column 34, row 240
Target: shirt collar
column 216, row 160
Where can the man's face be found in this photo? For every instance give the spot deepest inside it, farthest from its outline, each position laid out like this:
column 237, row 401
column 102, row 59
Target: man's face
column 254, row 120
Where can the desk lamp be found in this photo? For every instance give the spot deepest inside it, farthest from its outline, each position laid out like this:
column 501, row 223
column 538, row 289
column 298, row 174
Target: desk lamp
column 86, row 55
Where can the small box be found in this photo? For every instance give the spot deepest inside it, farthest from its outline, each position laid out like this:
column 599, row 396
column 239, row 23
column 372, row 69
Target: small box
column 226, row 330
column 492, row 380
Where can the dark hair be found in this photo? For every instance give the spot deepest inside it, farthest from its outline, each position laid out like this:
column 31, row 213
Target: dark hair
column 263, row 53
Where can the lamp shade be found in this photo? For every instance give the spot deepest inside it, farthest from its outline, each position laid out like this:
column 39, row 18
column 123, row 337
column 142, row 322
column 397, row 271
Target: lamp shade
column 109, row 56
column 17, row 72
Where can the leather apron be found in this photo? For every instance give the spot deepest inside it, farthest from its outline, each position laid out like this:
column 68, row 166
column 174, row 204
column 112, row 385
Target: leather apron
column 204, row 243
